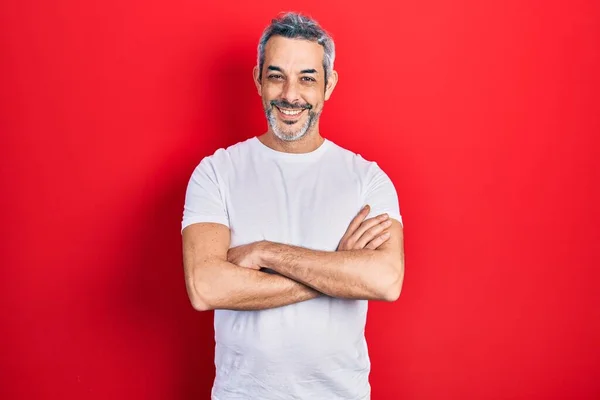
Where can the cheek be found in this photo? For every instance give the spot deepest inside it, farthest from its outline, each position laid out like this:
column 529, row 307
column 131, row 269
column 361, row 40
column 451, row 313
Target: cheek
column 316, row 101
column 270, row 91
column 313, row 97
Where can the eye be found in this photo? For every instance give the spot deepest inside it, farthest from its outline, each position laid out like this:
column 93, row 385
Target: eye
column 275, row 76
column 308, row 79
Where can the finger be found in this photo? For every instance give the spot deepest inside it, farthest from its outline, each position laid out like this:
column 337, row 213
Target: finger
column 368, row 224
column 356, row 221
column 378, row 241
column 350, row 238
column 372, row 233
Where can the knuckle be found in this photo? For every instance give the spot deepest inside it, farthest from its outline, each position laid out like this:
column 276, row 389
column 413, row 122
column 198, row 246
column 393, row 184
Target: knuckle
column 376, row 228
column 374, row 231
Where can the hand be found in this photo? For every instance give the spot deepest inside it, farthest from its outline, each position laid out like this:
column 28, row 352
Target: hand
column 369, row 234
column 246, row 255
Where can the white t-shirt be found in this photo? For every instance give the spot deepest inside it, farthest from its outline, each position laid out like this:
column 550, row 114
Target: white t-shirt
column 316, row 349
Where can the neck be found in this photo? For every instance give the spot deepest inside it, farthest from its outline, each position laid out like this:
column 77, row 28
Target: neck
column 310, row 142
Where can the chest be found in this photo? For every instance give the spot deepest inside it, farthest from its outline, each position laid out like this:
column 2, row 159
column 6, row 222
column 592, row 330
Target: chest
column 303, row 205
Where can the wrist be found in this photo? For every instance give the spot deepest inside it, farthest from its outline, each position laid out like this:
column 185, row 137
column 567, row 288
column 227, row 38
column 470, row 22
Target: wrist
column 263, row 251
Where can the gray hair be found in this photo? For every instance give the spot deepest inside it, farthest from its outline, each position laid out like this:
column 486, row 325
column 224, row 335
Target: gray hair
column 297, row 26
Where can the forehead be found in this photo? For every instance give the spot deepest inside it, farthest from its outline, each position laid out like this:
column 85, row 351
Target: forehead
column 293, row 54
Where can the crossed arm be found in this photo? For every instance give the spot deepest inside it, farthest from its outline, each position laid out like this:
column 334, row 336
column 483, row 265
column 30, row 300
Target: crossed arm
column 368, row 264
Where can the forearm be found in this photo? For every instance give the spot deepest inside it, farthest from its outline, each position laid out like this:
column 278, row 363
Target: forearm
column 354, row 274
column 218, row 284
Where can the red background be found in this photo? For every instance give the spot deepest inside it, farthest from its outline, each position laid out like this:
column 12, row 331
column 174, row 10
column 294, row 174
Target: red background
column 485, row 115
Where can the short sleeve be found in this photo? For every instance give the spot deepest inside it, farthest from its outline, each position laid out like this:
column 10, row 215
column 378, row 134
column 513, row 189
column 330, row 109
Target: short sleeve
column 381, row 194
column 203, row 197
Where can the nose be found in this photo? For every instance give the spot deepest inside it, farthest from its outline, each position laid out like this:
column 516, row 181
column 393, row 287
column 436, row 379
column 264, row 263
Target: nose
column 290, row 91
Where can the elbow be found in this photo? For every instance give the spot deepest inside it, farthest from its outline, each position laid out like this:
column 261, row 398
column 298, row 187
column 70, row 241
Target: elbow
column 199, row 304
column 393, row 285
column 392, row 293
column 198, row 293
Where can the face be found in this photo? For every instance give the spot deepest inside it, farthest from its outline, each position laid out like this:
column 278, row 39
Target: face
column 292, row 86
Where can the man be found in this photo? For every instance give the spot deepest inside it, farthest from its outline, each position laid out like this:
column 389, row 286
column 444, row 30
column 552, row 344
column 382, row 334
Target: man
column 276, row 239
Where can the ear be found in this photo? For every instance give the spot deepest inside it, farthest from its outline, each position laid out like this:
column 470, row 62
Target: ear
column 332, row 80
column 257, row 80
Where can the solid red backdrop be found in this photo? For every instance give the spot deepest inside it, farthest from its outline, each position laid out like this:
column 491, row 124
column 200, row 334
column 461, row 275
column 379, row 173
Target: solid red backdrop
column 484, row 114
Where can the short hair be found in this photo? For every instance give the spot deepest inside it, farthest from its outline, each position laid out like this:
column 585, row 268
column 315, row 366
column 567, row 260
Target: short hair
column 294, row 25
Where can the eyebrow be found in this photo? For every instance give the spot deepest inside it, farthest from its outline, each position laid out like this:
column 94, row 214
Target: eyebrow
column 304, row 71
column 274, row 68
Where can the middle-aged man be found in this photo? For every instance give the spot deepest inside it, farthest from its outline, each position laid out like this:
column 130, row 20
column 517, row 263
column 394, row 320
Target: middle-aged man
column 287, row 236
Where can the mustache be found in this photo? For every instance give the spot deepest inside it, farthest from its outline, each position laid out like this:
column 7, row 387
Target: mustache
column 290, row 106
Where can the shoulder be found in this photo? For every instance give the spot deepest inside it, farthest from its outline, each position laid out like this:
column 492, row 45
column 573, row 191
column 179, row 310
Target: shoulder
column 365, row 168
column 231, row 152
column 376, row 184
column 224, row 158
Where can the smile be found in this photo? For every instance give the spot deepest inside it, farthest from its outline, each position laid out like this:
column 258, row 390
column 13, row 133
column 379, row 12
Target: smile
column 291, row 113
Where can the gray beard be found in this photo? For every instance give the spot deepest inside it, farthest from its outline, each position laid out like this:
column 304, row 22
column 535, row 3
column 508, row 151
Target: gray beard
column 291, row 135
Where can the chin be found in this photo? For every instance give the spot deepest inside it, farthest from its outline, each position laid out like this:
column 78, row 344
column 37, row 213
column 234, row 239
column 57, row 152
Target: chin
column 282, row 130
column 289, row 136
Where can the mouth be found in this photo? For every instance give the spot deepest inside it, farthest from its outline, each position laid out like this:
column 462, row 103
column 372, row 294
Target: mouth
column 290, row 114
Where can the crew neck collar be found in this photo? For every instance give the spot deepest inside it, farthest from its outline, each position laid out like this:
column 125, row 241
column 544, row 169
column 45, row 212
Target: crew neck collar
column 311, row 155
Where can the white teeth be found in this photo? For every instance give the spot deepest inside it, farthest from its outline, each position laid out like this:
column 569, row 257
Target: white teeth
column 286, row 112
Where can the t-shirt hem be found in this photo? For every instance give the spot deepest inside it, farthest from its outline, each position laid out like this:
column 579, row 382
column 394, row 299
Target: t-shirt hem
column 204, row 218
